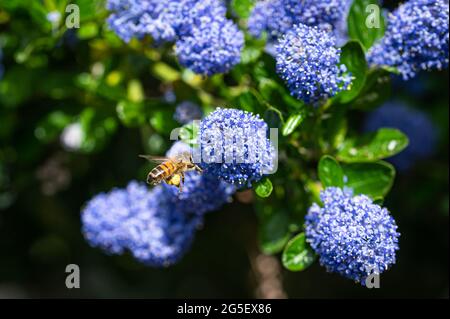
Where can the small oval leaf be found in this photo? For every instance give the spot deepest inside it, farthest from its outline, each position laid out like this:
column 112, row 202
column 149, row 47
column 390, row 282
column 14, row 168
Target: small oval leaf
column 292, row 123
column 372, row 179
column 381, row 144
column 353, row 57
column 366, row 22
column 297, row 254
column 264, row 188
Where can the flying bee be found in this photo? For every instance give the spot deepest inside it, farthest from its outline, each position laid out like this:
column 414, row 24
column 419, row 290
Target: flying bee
column 171, row 169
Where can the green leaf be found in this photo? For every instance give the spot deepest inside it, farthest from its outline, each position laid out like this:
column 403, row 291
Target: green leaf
column 361, row 23
column 354, row 59
column 297, row 254
column 376, row 90
column 242, row 7
column 250, row 55
column 333, row 129
column 292, row 123
column 330, row 172
column 267, row 87
column 164, row 72
column 383, row 143
column 131, row 113
column 372, row 179
column 135, row 91
column 87, row 30
column 163, row 122
column 274, row 232
column 264, row 188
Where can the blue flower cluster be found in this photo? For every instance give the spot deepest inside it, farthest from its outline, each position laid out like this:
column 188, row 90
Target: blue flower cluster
column 141, row 221
column 186, row 112
column 234, row 146
column 276, row 17
column 206, row 41
column 156, row 226
column 214, row 46
column 307, row 59
column 415, row 124
column 352, row 236
column 416, row 38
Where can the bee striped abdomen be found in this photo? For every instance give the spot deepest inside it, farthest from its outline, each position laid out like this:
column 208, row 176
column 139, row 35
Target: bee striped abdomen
column 161, row 172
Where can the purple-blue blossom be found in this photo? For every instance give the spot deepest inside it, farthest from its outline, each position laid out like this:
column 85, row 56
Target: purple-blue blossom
column 234, row 147
column 186, row 112
column 213, row 46
column 206, row 42
column 144, row 222
column 419, row 128
column 157, row 226
column 352, row 236
column 308, row 61
column 276, row 17
column 416, row 38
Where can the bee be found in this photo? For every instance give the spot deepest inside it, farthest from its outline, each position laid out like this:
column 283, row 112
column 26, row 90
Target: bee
column 171, row 169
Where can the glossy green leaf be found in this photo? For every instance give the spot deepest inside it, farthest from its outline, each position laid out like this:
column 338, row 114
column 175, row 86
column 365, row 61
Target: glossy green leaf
column 333, row 129
column 377, row 89
column 383, row 143
column 242, row 7
column 372, row 179
column 292, row 123
column 366, row 22
column 298, row 255
column 264, row 187
column 330, row 172
column 353, row 57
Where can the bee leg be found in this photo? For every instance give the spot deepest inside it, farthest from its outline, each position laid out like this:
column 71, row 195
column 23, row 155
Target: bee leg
column 180, row 187
column 198, row 169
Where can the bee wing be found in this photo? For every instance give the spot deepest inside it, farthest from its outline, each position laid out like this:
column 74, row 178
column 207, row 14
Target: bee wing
column 155, row 159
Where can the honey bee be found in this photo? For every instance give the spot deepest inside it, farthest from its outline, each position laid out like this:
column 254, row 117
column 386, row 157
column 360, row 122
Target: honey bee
column 171, row 169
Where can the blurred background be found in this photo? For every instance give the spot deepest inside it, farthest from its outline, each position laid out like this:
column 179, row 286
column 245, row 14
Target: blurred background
column 72, row 120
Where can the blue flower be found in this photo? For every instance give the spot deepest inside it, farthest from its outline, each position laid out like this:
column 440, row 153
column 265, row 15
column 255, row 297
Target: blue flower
column 145, row 223
column 352, row 236
column 271, row 17
column 206, row 41
column 416, row 38
column 201, row 193
column 276, row 17
column 131, row 18
column 156, row 226
column 234, row 147
column 307, row 59
column 186, row 112
column 415, row 124
column 214, row 46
